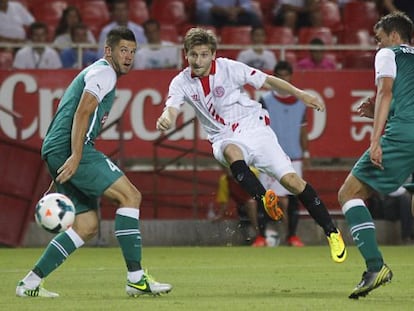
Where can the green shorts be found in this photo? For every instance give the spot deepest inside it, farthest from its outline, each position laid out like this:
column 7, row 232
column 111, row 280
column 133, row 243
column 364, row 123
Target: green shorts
column 96, row 173
column 398, row 163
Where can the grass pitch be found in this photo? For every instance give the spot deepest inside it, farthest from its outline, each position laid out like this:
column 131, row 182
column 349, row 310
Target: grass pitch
column 213, row 278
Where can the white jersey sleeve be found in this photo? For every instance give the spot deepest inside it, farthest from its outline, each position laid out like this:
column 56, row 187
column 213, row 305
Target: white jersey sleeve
column 242, row 74
column 100, row 80
column 176, row 95
column 385, row 65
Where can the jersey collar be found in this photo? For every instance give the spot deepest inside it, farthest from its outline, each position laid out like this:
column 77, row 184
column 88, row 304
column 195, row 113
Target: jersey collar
column 212, row 69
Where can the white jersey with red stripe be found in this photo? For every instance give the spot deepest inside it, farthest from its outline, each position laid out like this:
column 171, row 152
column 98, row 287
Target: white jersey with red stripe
column 229, row 116
column 220, row 102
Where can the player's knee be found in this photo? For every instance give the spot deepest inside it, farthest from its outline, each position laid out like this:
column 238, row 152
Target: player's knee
column 131, row 197
column 86, row 229
column 293, row 183
column 342, row 196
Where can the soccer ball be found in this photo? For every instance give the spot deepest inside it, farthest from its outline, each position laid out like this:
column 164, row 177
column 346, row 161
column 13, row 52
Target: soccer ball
column 272, row 238
column 55, row 212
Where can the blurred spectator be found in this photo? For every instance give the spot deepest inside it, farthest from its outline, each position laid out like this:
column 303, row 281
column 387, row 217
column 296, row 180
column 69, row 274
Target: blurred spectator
column 317, row 58
column 120, row 17
column 70, row 17
column 257, row 56
column 14, row 17
column 297, row 13
column 69, row 56
column 220, row 13
column 389, row 6
column 42, row 57
column 229, row 188
column 165, row 56
column 288, row 120
column 393, row 207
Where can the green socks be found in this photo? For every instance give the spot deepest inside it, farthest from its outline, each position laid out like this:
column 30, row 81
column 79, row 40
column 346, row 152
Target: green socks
column 57, row 251
column 129, row 236
column 362, row 229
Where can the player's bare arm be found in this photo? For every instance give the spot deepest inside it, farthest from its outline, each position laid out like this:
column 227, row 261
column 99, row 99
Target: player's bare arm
column 382, row 107
column 86, row 107
column 167, row 119
column 308, row 99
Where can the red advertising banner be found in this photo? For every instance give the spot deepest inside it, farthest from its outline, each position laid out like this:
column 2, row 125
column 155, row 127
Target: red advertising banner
column 337, row 132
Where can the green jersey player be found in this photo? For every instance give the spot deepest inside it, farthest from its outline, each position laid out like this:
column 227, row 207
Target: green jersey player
column 389, row 161
column 84, row 174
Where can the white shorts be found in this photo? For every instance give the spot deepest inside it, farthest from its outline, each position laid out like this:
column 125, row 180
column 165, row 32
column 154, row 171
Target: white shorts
column 260, row 148
column 272, row 183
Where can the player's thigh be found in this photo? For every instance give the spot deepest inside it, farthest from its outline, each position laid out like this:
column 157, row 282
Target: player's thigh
column 86, row 224
column 82, row 201
column 353, row 188
column 124, row 192
column 398, row 163
column 95, row 174
column 270, row 182
column 268, row 156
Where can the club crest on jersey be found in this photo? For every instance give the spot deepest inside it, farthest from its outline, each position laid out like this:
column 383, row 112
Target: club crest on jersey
column 104, row 118
column 218, row 91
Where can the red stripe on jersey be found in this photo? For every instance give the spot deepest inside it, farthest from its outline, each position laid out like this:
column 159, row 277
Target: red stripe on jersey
column 205, row 83
column 253, row 72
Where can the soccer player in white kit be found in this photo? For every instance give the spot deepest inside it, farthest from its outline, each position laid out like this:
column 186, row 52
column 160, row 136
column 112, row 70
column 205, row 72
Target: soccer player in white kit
column 237, row 126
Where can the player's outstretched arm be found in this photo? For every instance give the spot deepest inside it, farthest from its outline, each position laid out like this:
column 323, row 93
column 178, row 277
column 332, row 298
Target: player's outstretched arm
column 308, row 99
column 167, row 119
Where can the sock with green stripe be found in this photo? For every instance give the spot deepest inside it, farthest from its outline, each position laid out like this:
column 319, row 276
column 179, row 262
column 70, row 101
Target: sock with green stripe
column 129, row 238
column 56, row 252
column 362, row 228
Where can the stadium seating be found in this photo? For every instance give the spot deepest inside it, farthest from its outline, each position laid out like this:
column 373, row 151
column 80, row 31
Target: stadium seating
column 95, row 15
column 281, row 35
column 235, row 34
column 358, row 59
column 358, row 36
column 360, row 15
column 257, row 9
column 306, row 34
column 361, row 60
column 138, row 10
column 171, row 12
column 169, row 33
column 267, row 10
column 49, row 12
column 331, row 16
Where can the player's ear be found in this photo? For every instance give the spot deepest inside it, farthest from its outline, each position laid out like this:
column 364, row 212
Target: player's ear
column 107, row 51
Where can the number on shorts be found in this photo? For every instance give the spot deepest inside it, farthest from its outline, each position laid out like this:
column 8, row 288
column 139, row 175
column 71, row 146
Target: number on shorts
column 112, row 166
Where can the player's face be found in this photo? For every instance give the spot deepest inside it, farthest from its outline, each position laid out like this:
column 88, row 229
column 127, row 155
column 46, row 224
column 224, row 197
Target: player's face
column 199, row 58
column 284, row 75
column 122, row 56
column 383, row 40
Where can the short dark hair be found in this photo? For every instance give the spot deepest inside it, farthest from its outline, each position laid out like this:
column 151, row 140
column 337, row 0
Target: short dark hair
column 396, row 21
column 199, row 36
column 36, row 25
column 151, row 21
column 118, row 34
column 283, row 65
column 316, row 41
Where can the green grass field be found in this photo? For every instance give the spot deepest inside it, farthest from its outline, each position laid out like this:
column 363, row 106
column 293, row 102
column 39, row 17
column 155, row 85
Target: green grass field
column 213, row 278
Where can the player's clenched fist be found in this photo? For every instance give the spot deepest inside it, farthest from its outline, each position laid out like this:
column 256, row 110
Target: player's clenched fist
column 167, row 119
